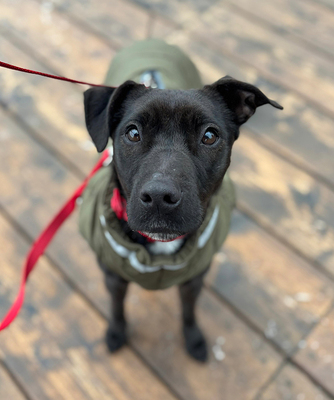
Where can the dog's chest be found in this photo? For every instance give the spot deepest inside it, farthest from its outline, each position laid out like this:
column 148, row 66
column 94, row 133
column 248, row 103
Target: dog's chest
column 165, row 248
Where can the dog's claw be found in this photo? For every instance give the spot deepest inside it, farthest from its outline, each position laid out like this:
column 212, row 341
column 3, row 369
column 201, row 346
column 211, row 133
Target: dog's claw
column 195, row 343
column 115, row 338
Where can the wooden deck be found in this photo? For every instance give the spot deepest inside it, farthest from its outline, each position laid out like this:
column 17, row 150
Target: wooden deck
column 269, row 295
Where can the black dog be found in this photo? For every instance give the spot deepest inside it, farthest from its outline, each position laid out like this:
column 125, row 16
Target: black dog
column 172, row 149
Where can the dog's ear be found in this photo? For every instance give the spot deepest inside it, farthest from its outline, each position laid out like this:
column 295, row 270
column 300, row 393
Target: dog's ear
column 103, row 107
column 240, row 97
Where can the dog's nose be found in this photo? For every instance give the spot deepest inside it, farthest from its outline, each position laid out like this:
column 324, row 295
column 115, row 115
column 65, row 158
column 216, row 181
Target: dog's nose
column 163, row 194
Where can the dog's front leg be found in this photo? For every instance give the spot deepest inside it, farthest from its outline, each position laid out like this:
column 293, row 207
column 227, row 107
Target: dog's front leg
column 194, row 339
column 116, row 332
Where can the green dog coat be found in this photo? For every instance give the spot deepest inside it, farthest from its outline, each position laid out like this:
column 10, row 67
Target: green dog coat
column 97, row 221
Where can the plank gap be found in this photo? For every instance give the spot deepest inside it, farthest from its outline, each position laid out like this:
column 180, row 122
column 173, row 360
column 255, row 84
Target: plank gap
column 314, row 380
column 283, row 155
column 16, row 381
column 242, row 316
column 36, row 137
column 240, row 206
column 270, row 380
column 267, row 75
column 324, row 4
column 298, row 39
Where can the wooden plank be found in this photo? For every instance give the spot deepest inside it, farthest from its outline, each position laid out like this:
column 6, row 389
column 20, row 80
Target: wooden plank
column 120, row 21
column 161, row 27
column 305, row 20
column 27, row 201
column 286, row 200
column 8, row 389
column 54, row 347
column 282, row 61
column 58, row 119
column 177, row 11
column 317, row 355
column 71, row 51
column 279, row 292
column 292, row 384
column 326, row 3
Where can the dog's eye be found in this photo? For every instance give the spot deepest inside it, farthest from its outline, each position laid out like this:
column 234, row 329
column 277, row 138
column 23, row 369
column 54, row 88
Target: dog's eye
column 133, row 135
column 209, row 137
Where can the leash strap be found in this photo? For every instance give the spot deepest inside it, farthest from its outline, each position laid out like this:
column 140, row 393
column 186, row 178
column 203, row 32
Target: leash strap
column 60, row 78
column 44, row 239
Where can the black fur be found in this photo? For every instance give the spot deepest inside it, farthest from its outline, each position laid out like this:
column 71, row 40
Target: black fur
column 169, row 175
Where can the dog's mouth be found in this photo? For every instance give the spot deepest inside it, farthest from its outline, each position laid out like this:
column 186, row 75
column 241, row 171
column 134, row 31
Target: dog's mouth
column 162, row 237
column 162, row 232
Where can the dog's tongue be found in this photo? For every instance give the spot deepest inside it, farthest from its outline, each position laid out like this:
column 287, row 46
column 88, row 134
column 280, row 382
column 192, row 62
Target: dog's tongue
column 118, row 205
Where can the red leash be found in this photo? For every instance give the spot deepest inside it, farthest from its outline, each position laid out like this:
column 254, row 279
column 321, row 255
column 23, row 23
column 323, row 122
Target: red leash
column 60, row 78
column 44, row 239
column 46, row 236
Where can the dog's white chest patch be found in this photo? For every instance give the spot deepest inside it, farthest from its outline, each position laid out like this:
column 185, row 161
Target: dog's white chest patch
column 158, row 248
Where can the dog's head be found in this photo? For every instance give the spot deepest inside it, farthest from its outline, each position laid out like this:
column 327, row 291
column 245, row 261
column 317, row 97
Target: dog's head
column 171, row 147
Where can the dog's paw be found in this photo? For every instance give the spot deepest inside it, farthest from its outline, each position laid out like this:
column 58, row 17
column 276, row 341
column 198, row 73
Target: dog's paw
column 115, row 337
column 195, row 343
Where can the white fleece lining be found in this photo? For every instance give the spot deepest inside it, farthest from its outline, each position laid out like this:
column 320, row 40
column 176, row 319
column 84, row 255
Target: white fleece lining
column 131, row 255
column 209, row 229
